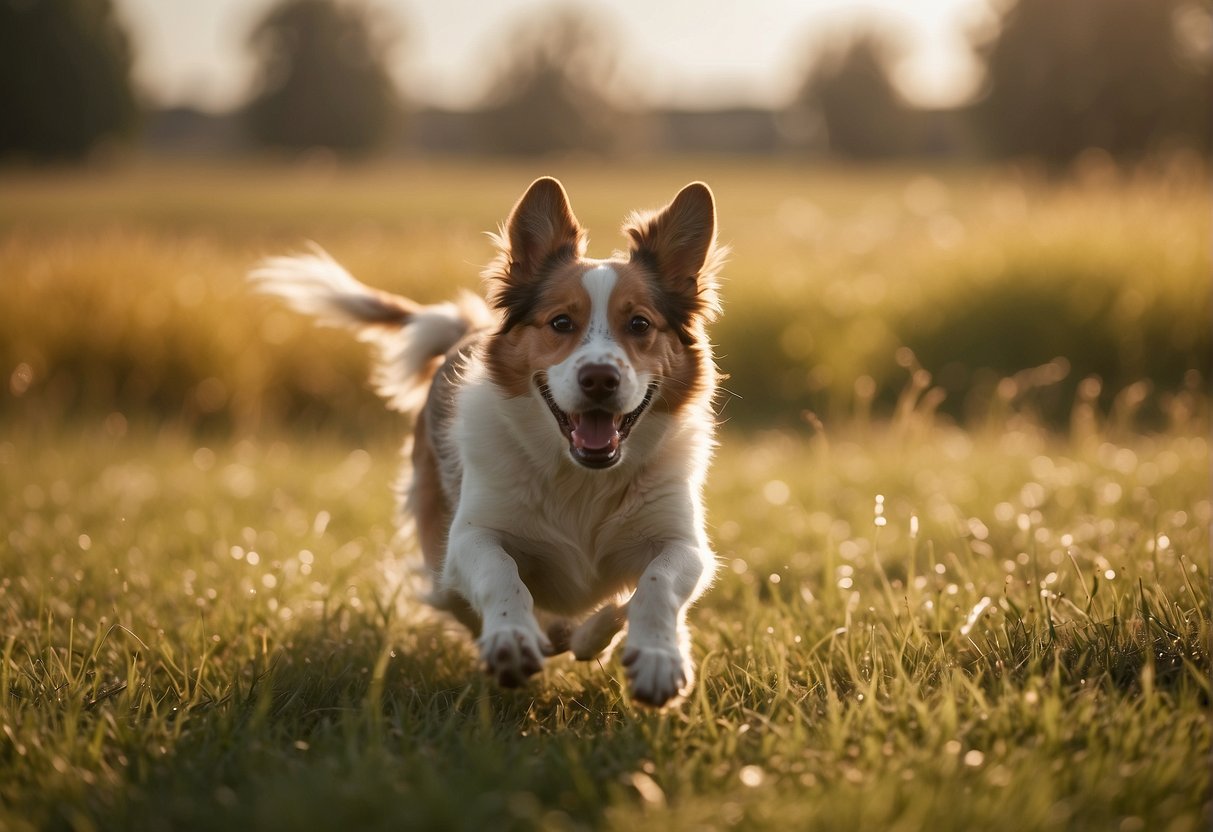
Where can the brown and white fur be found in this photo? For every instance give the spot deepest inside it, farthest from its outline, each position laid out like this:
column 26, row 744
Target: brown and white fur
column 562, row 432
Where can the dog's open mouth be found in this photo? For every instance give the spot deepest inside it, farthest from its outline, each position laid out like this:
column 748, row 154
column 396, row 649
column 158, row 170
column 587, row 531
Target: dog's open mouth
column 595, row 436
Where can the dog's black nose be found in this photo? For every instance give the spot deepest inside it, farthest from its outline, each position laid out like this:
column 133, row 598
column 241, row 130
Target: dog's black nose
column 598, row 381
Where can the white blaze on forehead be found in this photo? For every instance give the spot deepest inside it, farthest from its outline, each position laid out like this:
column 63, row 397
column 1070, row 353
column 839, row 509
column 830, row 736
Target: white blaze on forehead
column 598, row 346
column 599, row 283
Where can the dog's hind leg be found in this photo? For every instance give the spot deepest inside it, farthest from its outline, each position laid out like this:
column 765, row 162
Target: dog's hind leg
column 594, row 635
column 559, row 631
column 425, row 502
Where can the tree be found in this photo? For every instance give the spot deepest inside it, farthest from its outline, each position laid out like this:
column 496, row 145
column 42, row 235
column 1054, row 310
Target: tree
column 322, row 80
column 65, row 82
column 550, row 93
column 1128, row 76
column 847, row 95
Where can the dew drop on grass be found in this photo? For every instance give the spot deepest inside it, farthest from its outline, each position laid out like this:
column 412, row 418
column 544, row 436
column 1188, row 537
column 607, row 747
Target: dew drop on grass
column 204, row 459
column 776, row 492
column 975, row 614
column 728, row 530
column 321, row 522
column 974, row 758
column 751, row 776
column 1032, row 495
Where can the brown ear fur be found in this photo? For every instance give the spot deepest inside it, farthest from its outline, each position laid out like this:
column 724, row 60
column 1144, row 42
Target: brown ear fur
column 540, row 233
column 678, row 244
column 542, row 225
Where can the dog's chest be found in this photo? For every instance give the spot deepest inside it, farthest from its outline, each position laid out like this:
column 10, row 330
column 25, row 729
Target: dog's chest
column 578, row 548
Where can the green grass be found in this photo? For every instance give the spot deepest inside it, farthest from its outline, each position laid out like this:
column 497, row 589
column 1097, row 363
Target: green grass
column 207, row 623
column 217, row 637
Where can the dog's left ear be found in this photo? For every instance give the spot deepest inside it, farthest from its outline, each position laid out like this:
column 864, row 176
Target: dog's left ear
column 678, row 244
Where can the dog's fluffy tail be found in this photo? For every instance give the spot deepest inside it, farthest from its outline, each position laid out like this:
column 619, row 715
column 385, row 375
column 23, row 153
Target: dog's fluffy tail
column 410, row 338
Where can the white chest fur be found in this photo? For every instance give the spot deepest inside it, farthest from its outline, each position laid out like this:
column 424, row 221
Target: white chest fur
column 578, row 536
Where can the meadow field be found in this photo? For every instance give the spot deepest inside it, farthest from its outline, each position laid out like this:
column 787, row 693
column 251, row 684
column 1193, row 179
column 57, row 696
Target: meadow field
column 961, row 505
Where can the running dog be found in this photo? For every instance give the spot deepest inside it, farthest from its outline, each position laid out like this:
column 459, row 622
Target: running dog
column 562, row 431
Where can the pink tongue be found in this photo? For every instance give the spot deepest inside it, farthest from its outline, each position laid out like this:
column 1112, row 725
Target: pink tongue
column 595, row 430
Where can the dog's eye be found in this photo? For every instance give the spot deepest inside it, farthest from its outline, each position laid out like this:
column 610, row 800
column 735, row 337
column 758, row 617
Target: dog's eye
column 639, row 325
column 562, row 323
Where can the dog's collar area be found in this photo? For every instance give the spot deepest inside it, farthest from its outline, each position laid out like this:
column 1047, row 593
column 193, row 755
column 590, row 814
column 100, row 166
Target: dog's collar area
column 595, row 436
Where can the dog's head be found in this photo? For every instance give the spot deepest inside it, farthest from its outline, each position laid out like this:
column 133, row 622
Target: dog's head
column 602, row 342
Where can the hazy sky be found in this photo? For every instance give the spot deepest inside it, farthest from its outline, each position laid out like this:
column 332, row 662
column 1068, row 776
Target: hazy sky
column 684, row 52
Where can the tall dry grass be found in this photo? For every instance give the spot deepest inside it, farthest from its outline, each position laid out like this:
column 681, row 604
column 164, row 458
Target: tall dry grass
column 125, row 292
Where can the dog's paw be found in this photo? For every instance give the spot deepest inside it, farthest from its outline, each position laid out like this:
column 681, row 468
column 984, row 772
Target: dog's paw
column 511, row 654
column 657, row 675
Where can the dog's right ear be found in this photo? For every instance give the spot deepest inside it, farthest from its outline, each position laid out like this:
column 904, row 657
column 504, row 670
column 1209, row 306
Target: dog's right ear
column 540, row 233
column 542, row 227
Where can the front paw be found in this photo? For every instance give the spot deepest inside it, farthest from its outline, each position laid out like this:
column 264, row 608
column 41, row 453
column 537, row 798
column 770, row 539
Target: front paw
column 657, row 674
column 511, row 654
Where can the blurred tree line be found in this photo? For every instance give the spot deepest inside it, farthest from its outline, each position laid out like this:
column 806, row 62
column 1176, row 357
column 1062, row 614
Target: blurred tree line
column 65, row 84
column 322, row 79
column 1128, row 76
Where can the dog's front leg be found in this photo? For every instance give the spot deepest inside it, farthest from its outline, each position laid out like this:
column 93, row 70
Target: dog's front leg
column 479, row 569
column 658, row 659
